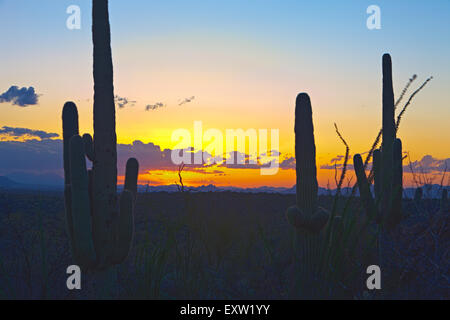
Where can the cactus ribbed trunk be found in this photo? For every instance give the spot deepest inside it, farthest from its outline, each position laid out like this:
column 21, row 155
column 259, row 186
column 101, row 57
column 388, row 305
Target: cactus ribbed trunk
column 388, row 135
column 307, row 218
column 306, row 215
column 105, row 142
column 305, row 155
column 395, row 215
column 377, row 175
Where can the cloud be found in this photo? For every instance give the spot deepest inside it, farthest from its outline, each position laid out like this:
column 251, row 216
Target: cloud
column 31, row 156
column 154, row 106
column 45, row 156
column 20, row 96
column 288, row 163
column 123, row 101
column 24, row 132
column 186, row 100
column 428, row 164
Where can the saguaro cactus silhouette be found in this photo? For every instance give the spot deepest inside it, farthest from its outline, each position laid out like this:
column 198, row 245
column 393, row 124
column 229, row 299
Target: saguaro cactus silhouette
column 444, row 200
column 100, row 231
column 387, row 163
column 418, row 193
column 306, row 215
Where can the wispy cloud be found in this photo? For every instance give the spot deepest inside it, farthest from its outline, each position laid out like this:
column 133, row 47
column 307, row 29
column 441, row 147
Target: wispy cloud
column 21, row 97
column 15, row 133
column 154, row 106
column 186, row 100
column 123, row 101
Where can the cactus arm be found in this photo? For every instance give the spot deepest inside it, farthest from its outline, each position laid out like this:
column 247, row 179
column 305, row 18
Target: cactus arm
column 377, row 175
column 91, row 191
column 364, row 187
column 123, row 228
column 81, row 217
column 124, row 223
column 131, row 176
column 88, row 146
column 70, row 128
column 305, row 155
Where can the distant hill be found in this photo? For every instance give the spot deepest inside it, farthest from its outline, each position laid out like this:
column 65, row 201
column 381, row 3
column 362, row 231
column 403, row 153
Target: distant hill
column 429, row 191
column 9, row 184
column 47, row 179
column 6, row 182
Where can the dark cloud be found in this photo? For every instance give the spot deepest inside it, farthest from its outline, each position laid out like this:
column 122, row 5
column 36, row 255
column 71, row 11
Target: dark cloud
column 24, row 132
column 154, row 106
column 288, row 163
column 186, row 100
column 32, row 156
column 20, row 96
column 122, row 102
column 45, row 156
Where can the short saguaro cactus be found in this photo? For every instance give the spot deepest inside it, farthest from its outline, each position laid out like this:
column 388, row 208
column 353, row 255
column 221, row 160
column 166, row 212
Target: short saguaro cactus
column 306, row 215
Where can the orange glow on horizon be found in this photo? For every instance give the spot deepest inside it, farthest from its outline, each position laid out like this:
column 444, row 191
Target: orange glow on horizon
column 250, row 178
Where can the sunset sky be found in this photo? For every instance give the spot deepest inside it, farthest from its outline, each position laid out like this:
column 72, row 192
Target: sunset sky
column 243, row 62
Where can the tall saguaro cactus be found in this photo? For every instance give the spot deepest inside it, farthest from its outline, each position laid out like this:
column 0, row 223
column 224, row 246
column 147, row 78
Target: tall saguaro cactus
column 100, row 228
column 105, row 162
column 387, row 163
column 306, row 215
